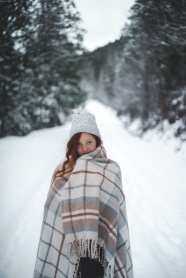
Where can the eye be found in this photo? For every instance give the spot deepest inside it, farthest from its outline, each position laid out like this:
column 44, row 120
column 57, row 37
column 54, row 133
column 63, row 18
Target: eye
column 89, row 142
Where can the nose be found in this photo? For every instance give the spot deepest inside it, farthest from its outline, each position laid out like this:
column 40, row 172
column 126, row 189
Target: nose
column 84, row 148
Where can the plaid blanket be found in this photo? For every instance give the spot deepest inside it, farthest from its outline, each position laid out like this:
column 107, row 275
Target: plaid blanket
column 85, row 215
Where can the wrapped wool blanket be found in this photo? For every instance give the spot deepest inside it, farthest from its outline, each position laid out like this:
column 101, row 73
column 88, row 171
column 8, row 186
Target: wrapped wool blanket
column 86, row 207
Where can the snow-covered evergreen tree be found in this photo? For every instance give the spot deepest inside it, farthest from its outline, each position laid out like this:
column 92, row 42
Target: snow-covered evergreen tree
column 14, row 20
column 49, row 83
column 145, row 76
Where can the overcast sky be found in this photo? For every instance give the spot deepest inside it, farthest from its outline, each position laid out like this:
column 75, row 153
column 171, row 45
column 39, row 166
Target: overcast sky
column 103, row 20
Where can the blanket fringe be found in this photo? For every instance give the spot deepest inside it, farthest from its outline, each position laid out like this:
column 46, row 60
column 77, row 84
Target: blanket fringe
column 90, row 248
column 87, row 248
column 108, row 271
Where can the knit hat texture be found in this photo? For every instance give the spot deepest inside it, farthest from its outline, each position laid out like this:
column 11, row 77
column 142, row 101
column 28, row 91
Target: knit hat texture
column 83, row 121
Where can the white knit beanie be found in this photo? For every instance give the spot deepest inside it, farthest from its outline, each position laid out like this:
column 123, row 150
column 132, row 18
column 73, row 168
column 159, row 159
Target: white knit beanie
column 83, row 121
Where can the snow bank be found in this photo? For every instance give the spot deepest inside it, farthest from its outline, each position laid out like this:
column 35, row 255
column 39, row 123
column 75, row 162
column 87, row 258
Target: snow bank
column 154, row 179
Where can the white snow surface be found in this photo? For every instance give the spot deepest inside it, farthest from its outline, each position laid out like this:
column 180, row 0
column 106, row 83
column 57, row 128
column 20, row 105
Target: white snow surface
column 154, row 183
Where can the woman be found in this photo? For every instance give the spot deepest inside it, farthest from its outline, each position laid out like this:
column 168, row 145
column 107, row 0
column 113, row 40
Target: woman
column 85, row 230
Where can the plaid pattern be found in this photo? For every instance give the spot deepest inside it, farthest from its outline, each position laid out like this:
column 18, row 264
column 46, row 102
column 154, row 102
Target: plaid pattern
column 88, row 205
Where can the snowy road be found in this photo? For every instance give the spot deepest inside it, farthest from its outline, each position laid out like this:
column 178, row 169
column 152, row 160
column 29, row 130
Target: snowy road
column 154, row 181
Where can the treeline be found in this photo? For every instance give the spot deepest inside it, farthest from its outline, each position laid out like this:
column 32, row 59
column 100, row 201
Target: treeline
column 143, row 74
column 40, row 49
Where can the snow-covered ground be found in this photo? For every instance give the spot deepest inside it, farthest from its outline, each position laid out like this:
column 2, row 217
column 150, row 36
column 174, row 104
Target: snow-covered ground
column 154, row 182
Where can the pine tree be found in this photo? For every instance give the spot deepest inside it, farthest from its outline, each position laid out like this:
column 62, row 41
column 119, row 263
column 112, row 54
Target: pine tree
column 49, row 80
column 149, row 78
column 156, row 50
column 13, row 20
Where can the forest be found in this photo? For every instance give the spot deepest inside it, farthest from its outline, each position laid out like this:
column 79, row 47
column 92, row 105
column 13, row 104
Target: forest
column 143, row 74
column 41, row 44
column 45, row 72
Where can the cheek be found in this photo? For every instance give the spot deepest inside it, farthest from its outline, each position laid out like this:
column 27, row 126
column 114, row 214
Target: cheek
column 78, row 151
column 93, row 147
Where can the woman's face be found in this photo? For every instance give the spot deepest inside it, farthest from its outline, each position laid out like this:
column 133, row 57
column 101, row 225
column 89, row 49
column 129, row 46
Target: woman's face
column 86, row 144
